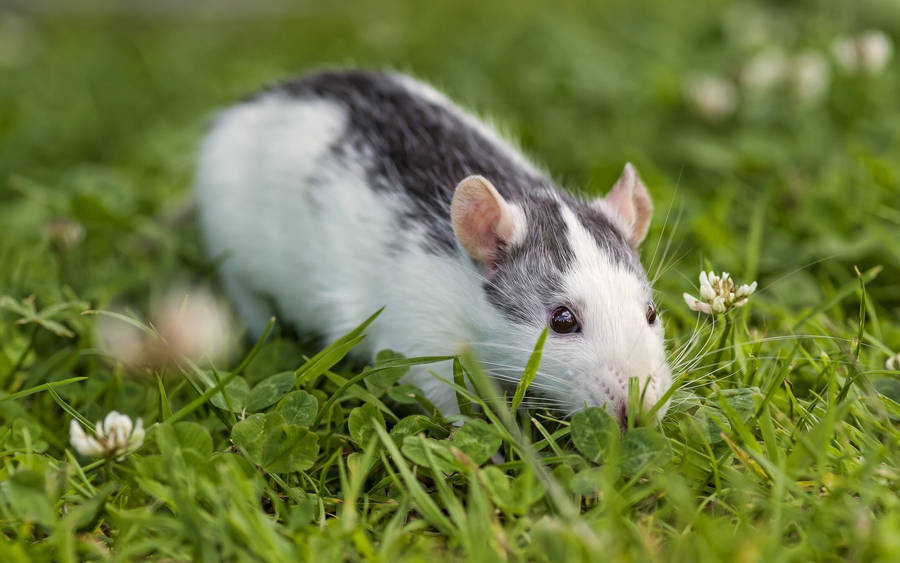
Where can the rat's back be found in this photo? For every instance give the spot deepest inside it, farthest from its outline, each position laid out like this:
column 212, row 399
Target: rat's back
column 319, row 194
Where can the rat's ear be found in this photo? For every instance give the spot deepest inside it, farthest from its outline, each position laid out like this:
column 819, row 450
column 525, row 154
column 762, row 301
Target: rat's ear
column 482, row 220
column 630, row 199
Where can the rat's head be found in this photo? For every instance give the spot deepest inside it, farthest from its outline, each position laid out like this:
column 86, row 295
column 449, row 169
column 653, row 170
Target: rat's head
column 549, row 259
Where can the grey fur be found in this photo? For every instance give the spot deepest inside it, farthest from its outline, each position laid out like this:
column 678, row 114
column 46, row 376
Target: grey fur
column 528, row 279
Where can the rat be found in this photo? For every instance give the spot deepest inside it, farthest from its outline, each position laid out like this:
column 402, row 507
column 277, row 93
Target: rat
column 339, row 192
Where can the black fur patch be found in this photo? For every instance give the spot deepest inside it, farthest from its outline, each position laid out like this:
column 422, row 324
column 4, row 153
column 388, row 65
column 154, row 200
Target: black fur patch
column 420, row 148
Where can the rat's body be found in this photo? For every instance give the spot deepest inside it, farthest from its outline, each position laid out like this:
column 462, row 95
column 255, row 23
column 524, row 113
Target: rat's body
column 330, row 197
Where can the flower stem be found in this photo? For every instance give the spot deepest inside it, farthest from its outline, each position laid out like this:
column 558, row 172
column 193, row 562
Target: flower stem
column 720, row 347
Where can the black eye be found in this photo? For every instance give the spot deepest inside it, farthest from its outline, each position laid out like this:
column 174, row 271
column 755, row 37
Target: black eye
column 651, row 314
column 563, row 321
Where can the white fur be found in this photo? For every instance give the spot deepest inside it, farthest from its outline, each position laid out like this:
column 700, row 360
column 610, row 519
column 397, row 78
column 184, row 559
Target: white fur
column 322, row 249
column 521, row 225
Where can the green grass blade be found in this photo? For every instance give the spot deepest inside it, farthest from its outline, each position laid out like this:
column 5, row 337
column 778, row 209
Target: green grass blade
column 335, row 352
column 359, row 377
column 462, row 401
column 41, row 387
column 534, row 361
column 165, row 408
column 842, row 293
column 256, row 348
column 424, row 502
column 87, row 424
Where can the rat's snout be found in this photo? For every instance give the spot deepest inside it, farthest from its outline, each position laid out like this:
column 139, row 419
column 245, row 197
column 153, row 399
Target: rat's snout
column 608, row 389
column 613, row 380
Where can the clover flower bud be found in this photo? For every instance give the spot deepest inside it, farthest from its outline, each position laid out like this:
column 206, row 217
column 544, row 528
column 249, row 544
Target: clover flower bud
column 190, row 324
column 809, row 77
column 193, row 324
column 115, row 437
column 868, row 53
column 764, row 71
column 64, row 234
column 718, row 294
column 893, row 363
column 711, row 97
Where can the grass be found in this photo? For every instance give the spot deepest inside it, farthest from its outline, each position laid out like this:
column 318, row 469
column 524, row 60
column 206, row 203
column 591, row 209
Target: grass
column 782, row 441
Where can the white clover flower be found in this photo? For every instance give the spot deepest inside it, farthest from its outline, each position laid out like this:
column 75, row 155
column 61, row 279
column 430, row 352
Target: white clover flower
column 64, row 233
column 711, row 97
column 868, row 53
column 115, row 437
column 893, row 363
column 192, row 324
column 120, row 340
column 764, row 71
column 718, row 294
column 876, row 49
column 809, row 76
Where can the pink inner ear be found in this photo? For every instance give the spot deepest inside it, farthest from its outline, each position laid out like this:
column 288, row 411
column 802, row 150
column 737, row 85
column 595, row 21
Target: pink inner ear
column 480, row 219
column 621, row 199
column 630, row 199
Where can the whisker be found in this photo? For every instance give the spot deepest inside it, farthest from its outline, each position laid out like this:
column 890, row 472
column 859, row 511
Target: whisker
column 665, row 224
column 503, row 346
column 662, row 231
column 800, row 269
column 665, row 269
column 514, row 374
column 779, row 339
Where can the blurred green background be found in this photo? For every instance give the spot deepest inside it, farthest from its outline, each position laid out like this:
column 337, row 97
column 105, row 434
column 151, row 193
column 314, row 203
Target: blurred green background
column 102, row 105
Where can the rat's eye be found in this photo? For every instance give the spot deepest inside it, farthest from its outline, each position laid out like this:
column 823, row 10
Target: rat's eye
column 651, row 313
column 563, row 321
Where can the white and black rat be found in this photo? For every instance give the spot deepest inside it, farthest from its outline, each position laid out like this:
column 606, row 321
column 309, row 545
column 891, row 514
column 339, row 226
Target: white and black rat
column 340, row 192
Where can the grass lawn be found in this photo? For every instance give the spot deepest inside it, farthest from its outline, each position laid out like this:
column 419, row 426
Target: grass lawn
column 769, row 136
